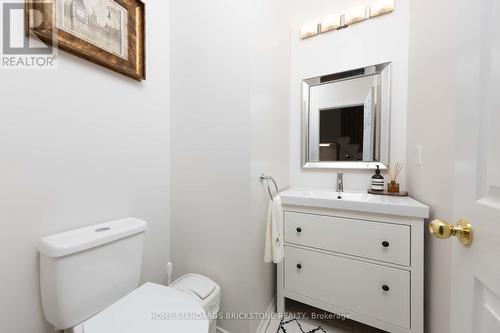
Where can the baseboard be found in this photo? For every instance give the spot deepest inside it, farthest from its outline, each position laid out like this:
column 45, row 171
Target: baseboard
column 220, row 330
column 264, row 324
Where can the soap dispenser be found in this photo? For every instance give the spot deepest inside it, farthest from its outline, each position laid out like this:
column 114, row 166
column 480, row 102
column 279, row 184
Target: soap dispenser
column 378, row 181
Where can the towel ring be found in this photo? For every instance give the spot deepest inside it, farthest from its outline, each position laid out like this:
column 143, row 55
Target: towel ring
column 269, row 180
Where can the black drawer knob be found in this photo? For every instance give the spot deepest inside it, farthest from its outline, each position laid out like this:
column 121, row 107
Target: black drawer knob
column 299, row 229
column 385, row 244
column 299, row 266
column 385, row 287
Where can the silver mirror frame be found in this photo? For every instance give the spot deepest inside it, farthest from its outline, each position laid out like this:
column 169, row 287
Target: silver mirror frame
column 384, row 70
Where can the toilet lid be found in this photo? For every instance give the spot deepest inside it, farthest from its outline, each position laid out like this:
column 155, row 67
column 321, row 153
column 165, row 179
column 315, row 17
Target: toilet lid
column 151, row 309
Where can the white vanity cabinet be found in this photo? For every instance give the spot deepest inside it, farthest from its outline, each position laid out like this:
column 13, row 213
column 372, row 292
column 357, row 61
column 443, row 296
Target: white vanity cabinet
column 360, row 255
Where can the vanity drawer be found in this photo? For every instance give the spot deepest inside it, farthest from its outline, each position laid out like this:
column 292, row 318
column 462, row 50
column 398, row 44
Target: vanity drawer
column 369, row 289
column 374, row 240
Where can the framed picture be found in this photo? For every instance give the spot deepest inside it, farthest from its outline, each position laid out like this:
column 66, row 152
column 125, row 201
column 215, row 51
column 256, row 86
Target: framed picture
column 110, row 33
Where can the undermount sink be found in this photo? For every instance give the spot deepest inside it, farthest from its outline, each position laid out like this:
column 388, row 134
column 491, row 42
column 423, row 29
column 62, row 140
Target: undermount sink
column 355, row 201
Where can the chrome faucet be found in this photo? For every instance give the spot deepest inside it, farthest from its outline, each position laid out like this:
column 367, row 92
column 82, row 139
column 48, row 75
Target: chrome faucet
column 340, row 182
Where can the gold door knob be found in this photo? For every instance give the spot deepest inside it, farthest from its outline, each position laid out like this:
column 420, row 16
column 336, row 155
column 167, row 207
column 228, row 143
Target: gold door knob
column 443, row 230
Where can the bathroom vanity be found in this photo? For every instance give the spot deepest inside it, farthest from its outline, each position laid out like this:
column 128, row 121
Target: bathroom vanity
column 356, row 254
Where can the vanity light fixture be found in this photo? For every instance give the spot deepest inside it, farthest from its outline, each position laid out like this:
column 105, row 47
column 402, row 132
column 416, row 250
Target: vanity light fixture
column 355, row 15
column 309, row 30
column 381, row 7
column 330, row 23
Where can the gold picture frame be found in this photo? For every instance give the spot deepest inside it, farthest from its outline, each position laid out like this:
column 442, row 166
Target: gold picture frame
column 109, row 33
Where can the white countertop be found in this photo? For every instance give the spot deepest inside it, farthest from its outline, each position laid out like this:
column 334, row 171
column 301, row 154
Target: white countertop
column 354, row 201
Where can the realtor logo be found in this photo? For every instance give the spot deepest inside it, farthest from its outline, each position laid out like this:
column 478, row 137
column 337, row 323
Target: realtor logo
column 18, row 50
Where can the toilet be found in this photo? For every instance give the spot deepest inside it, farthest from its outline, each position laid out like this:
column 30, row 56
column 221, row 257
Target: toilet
column 89, row 283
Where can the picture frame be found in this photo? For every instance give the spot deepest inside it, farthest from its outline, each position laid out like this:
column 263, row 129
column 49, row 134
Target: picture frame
column 109, row 33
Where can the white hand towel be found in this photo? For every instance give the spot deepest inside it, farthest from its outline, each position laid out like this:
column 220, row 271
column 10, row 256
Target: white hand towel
column 274, row 247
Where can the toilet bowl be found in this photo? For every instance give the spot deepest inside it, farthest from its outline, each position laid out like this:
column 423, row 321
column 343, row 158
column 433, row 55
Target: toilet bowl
column 89, row 284
column 151, row 308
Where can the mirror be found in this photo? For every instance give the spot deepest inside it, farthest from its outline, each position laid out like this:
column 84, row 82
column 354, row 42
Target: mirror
column 346, row 119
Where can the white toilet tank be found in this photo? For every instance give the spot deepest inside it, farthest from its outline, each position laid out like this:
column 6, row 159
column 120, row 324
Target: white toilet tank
column 84, row 271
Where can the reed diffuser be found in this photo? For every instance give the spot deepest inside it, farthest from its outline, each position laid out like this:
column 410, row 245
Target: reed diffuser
column 393, row 185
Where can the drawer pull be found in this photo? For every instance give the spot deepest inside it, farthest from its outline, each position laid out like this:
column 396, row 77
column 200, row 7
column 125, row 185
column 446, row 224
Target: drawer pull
column 299, row 229
column 385, row 244
column 385, row 288
column 299, row 266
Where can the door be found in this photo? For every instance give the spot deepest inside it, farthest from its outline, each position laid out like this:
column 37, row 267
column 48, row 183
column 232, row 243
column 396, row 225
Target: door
column 475, row 285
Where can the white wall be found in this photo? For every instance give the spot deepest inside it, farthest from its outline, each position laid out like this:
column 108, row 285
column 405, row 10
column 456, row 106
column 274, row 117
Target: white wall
column 210, row 157
column 383, row 39
column 80, row 145
column 269, row 132
column 431, row 113
column 229, row 87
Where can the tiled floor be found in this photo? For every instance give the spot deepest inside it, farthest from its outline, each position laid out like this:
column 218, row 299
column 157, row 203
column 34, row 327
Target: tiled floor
column 329, row 325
